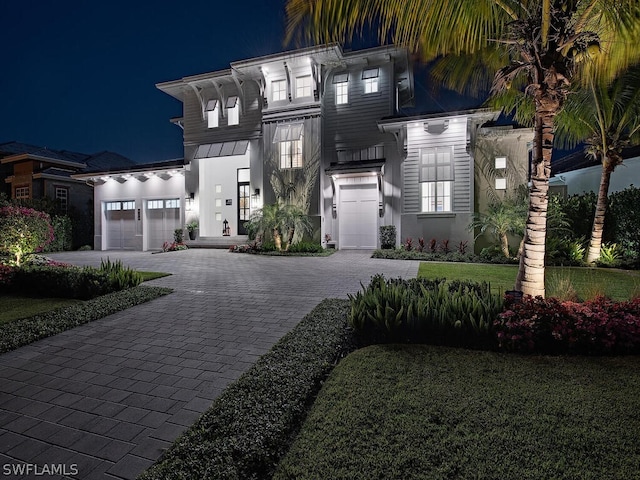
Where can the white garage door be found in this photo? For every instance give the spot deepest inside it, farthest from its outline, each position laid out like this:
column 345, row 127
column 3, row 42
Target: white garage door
column 163, row 217
column 358, row 216
column 120, row 225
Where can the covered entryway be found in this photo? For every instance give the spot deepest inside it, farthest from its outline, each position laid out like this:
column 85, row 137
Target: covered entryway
column 163, row 217
column 358, row 216
column 120, row 225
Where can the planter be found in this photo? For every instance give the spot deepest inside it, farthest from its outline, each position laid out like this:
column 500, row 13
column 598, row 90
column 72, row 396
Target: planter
column 192, row 234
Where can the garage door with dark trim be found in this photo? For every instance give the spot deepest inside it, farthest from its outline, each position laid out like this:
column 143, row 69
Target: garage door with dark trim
column 163, row 217
column 358, row 216
column 120, row 220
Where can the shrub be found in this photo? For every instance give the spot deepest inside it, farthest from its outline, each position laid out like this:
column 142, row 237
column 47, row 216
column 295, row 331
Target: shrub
column 173, row 246
column 306, row 247
column 387, row 236
column 64, row 281
column 23, row 231
column 62, row 234
column 598, row 326
column 249, row 428
column 422, row 310
column 178, row 235
column 609, row 255
column 120, row 277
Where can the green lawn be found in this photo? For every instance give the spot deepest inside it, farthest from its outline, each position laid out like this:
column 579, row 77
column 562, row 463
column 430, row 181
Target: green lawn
column 426, row 412
column 13, row 307
column 587, row 282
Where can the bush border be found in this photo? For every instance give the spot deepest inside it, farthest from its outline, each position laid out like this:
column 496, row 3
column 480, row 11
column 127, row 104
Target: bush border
column 17, row 333
column 250, row 426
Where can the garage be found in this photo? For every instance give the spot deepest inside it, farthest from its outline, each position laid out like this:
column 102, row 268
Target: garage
column 163, row 217
column 358, row 216
column 120, row 223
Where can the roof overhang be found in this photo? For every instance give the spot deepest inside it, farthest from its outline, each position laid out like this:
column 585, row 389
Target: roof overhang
column 480, row 116
column 355, row 168
column 140, row 173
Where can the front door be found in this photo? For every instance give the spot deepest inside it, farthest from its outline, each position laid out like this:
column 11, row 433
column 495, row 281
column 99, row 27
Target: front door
column 244, row 206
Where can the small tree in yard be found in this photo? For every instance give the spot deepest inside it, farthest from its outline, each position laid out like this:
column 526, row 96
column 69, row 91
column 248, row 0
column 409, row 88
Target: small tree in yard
column 23, row 231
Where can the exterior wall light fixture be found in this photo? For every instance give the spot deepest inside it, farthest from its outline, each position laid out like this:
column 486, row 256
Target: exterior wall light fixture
column 226, row 229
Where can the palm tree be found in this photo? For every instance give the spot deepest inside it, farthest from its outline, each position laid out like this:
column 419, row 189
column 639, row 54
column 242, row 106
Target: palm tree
column 503, row 218
column 607, row 118
column 540, row 46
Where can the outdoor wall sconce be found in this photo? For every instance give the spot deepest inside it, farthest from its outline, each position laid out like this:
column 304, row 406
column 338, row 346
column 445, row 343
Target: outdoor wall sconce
column 255, row 198
column 226, row 229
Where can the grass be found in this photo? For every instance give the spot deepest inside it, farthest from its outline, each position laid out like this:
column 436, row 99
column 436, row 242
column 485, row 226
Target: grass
column 13, row 307
column 426, row 412
column 587, row 282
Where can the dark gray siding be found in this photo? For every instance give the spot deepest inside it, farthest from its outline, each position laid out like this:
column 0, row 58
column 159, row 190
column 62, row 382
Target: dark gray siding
column 463, row 166
column 354, row 124
column 196, row 131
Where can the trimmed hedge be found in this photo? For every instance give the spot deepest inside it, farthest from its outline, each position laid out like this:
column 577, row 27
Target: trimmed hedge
column 24, row 331
column 73, row 282
column 250, row 426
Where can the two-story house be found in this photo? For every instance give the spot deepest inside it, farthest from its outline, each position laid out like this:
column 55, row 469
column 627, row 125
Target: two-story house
column 318, row 127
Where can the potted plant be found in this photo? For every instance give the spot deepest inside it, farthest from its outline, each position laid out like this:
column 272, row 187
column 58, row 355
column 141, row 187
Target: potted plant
column 191, row 228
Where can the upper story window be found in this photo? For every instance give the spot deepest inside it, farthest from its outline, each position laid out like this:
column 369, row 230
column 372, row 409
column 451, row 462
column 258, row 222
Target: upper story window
column 213, row 113
column 278, row 90
column 289, row 139
column 370, row 79
column 303, row 86
column 62, row 198
column 233, row 111
column 501, row 163
column 436, row 179
column 341, row 81
column 21, row 193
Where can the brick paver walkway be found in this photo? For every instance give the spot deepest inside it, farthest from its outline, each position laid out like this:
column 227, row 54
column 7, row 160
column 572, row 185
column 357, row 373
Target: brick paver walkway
column 105, row 399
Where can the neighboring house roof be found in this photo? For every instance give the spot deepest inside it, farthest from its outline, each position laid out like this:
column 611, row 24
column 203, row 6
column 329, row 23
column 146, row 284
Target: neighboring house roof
column 579, row 159
column 10, row 149
column 108, row 160
column 78, row 162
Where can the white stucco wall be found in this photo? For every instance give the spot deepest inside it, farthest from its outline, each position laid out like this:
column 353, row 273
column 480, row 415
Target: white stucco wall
column 588, row 179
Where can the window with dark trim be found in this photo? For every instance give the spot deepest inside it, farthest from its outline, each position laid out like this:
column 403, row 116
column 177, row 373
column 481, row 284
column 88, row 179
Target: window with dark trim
column 436, row 179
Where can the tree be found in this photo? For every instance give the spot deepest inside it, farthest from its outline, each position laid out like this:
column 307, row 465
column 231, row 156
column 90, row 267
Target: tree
column 23, row 231
column 607, row 118
column 538, row 47
column 503, row 218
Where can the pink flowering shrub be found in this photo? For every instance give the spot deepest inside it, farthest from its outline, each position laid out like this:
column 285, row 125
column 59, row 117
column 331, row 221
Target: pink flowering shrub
column 598, row 326
column 23, row 231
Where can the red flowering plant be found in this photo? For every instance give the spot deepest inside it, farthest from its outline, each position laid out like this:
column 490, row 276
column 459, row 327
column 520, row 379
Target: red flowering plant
column 23, row 231
column 598, row 326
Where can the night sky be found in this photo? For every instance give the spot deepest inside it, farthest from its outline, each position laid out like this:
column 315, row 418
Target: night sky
column 80, row 75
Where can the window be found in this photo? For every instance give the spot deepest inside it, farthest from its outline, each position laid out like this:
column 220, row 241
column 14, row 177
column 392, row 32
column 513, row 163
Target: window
column 303, row 86
column 501, row 183
column 370, row 78
column 155, row 204
column 62, row 198
column 289, row 140
column 212, row 114
column 233, row 111
column 21, row 193
column 501, row 162
column 278, row 90
column 113, row 206
column 436, row 179
column 341, row 82
column 172, row 203
column 131, row 205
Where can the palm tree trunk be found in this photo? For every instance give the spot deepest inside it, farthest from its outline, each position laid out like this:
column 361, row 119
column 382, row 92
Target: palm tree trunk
column 530, row 279
column 504, row 244
column 601, row 209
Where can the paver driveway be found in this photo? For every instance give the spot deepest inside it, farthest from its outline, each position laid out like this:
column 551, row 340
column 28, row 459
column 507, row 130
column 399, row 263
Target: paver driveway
column 106, row 398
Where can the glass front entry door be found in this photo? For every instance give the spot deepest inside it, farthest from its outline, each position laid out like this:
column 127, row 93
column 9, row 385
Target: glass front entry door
column 244, row 204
